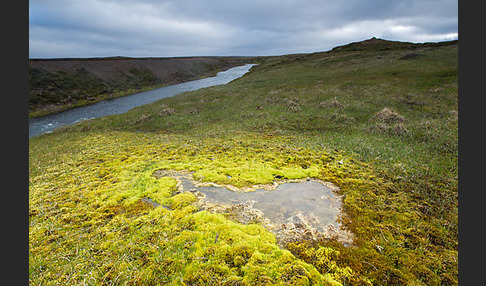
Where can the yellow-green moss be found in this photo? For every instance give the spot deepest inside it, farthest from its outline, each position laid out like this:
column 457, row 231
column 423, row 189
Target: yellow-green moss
column 182, row 200
column 89, row 223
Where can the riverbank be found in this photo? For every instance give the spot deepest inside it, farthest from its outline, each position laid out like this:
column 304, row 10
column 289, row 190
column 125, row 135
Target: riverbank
column 377, row 119
column 48, row 123
column 57, row 85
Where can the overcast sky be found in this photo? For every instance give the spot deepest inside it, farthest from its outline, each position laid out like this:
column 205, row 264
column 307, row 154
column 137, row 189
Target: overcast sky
column 168, row 28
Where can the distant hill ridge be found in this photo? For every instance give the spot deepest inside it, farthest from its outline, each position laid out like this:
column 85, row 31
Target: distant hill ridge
column 165, row 70
column 375, row 44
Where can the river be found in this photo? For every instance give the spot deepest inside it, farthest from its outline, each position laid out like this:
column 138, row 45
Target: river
column 48, row 123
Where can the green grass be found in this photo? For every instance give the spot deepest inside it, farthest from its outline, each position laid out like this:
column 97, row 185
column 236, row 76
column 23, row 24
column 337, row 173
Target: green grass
column 381, row 123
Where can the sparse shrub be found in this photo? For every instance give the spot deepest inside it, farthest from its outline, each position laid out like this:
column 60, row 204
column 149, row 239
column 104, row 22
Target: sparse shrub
column 454, row 115
column 193, row 111
column 272, row 99
column 295, row 108
column 167, row 111
column 388, row 115
column 331, row 103
column 397, row 129
column 143, row 118
column 293, row 104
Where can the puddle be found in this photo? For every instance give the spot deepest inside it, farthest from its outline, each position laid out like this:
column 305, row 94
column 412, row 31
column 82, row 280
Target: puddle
column 287, row 202
column 304, row 209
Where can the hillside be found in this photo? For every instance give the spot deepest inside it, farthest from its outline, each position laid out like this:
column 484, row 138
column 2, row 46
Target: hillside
column 59, row 84
column 376, row 44
column 377, row 119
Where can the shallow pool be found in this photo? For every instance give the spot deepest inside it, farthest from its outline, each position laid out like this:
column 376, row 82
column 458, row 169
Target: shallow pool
column 309, row 202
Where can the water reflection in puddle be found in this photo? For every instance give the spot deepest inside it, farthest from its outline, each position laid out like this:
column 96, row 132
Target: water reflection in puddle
column 309, row 202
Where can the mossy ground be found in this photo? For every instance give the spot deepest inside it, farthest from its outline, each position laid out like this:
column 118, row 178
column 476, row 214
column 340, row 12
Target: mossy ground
column 378, row 124
column 89, row 222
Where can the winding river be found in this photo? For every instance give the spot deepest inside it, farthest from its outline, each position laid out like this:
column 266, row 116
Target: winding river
column 48, row 123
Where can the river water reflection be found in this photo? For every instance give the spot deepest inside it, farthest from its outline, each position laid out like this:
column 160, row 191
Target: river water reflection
column 48, row 123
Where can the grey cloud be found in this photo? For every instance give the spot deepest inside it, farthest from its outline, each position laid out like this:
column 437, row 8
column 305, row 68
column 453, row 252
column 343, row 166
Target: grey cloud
column 253, row 27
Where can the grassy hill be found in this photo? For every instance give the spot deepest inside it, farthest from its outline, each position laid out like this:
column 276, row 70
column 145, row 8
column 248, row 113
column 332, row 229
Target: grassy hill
column 59, row 84
column 379, row 119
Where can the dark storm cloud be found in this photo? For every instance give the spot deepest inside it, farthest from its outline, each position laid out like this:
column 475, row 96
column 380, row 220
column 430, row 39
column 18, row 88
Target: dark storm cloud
column 90, row 28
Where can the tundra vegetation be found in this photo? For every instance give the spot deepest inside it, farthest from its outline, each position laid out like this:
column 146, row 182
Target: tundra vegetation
column 378, row 119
